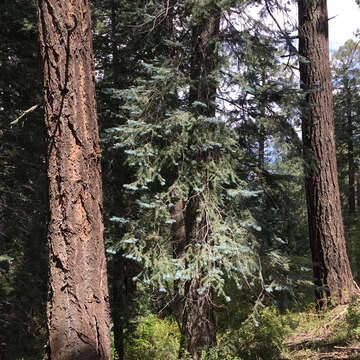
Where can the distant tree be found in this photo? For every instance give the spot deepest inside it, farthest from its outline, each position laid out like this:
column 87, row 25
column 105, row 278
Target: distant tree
column 346, row 80
column 78, row 322
column 332, row 275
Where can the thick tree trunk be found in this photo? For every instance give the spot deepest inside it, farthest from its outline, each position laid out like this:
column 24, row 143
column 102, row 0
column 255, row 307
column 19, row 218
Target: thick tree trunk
column 198, row 314
column 332, row 274
column 78, row 319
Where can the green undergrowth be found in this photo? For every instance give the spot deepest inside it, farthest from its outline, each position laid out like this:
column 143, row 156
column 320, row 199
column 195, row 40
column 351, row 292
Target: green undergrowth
column 260, row 337
column 266, row 335
column 153, row 339
column 331, row 334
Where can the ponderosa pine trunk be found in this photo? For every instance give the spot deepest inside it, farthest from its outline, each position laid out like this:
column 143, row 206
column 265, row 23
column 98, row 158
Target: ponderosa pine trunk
column 199, row 318
column 78, row 315
column 332, row 275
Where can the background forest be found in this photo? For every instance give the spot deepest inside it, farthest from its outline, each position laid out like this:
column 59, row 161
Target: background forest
column 203, row 170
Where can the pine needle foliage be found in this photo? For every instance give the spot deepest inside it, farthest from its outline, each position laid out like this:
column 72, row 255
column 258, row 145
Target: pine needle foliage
column 165, row 142
column 177, row 151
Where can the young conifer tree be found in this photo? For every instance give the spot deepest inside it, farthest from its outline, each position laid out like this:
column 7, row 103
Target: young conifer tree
column 188, row 226
column 78, row 322
column 199, row 317
column 186, row 232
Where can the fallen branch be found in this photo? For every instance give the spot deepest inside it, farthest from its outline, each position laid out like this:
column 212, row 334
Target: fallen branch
column 25, row 113
column 356, row 348
column 336, row 317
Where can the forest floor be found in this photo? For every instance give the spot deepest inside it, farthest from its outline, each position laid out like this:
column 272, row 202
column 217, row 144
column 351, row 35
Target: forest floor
column 324, row 335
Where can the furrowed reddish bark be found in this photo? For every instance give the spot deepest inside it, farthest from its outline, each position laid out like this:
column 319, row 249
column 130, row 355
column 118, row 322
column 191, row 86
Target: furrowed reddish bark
column 78, row 321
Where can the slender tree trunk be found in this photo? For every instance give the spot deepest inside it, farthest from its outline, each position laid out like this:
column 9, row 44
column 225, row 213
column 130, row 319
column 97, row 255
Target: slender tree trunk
column 351, row 175
column 203, row 62
column 350, row 149
column 178, row 234
column 358, row 190
column 261, row 161
column 332, row 274
column 199, row 320
column 179, row 242
column 115, row 59
column 123, row 293
column 199, row 314
column 261, row 147
column 78, row 319
column 121, row 273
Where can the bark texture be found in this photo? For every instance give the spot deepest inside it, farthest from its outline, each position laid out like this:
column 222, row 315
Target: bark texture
column 78, row 321
column 332, row 274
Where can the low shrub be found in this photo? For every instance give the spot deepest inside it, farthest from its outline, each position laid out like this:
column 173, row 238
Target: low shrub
column 262, row 338
column 153, row 339
column 353, row 321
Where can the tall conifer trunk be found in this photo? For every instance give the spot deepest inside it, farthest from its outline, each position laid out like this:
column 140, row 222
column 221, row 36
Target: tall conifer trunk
column 199, row 318
column 78, row 322
column 332, row 274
